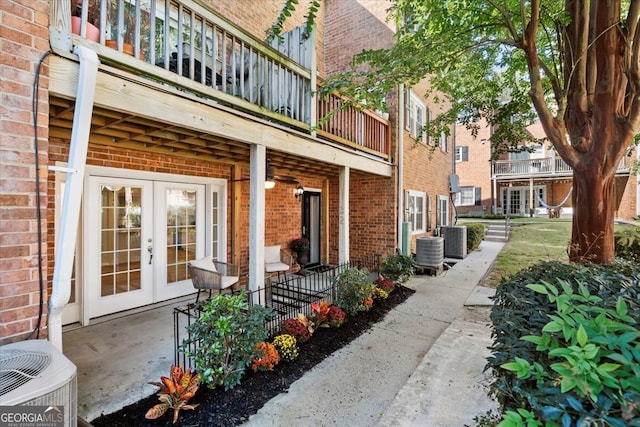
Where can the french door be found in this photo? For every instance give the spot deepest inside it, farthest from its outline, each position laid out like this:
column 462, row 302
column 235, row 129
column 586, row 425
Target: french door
column 140, row 236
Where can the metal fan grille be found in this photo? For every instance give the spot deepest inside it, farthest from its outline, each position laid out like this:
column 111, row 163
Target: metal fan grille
column 18, row 367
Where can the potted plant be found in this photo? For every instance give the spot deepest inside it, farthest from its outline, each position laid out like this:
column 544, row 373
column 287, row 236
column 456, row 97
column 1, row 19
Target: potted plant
column 301, row 246
column 127, row 28
column 93, row 19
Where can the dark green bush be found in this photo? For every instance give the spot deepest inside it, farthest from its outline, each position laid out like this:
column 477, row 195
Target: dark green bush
column 475, row 234
column 355, row 291
column 397, row 267
column 521, row 311
column 222, row 340
column 628, row 244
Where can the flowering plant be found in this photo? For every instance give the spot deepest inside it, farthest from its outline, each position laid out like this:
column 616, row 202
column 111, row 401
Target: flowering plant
column 380, row 293
column 268, row 357
column 385, row 284
column 320, row 314
column 286, row 346
column 297, row 329
column 367, row 303
column 300, row 244
column 336, row 316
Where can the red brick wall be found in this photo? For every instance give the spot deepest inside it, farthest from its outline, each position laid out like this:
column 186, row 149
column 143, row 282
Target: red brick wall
column 256, row 17
column 475, row 172
column 23, row 40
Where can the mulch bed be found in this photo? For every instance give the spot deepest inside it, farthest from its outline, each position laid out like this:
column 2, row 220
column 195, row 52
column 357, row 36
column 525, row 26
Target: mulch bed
column 218, row 407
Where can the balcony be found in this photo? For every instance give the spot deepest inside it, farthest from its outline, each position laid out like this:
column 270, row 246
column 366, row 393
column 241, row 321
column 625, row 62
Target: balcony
column 185, row 45
column 548, row 167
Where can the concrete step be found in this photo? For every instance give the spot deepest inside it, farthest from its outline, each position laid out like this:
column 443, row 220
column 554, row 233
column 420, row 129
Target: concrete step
column 497, row 233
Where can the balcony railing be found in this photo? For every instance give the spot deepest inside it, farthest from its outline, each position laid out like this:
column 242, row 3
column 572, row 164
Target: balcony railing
column 548, row 166
column 222, row 62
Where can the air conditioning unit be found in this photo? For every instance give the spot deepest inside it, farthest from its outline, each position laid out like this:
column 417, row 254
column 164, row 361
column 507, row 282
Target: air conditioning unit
column 455, row 241
column 35, row 373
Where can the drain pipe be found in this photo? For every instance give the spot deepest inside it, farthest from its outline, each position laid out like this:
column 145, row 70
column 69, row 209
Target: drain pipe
column 68, row 228
column 400, row 122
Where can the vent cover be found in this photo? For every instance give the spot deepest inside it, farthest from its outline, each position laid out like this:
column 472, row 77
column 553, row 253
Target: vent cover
column 18, row 367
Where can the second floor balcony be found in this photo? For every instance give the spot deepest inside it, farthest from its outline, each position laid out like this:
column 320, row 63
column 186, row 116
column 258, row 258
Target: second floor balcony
column 184, row 44
column 543, row 167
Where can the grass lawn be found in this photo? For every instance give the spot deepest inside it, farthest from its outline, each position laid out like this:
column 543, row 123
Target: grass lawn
column 532, row 240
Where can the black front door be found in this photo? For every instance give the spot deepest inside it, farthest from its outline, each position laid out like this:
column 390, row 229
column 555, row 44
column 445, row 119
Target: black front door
column 311, row 224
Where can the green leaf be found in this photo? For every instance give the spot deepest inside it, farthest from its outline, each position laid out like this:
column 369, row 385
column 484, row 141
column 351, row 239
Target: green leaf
column 621, row 307
column 552, row 327
column 581, row 336
column 539, row 289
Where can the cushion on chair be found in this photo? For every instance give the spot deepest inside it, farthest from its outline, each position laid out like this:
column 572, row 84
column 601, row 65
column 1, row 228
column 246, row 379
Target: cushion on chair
column 273, row 267
column 228, row 281
column 271, row 254
column 205, row 263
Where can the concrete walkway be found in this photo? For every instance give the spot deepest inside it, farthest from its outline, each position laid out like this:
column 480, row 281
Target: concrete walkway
column 421, row 366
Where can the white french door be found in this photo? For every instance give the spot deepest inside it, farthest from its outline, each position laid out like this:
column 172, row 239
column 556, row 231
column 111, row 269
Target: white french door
column 118, row 247
column 179, row 235
column 140, row 236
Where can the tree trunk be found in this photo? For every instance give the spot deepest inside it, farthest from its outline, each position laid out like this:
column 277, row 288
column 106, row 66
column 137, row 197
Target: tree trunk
column 592, row 236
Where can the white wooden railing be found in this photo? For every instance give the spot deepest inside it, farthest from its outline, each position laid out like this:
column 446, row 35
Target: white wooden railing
column 181, row 37
column 548, row 166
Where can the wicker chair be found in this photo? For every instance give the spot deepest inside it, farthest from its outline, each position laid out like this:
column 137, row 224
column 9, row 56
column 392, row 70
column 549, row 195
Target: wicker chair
column 210, row 274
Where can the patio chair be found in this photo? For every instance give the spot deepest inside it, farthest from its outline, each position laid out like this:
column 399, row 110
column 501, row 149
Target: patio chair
column 277, row 260
column 207, row 273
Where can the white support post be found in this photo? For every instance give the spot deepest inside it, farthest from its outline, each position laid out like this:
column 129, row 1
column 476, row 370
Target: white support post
column 258, row 166
column 343, row 230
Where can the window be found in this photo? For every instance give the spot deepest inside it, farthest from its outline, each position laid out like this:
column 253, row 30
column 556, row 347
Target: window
column 444, row 141
column 469, row 196
column 415, row 115
column 462, row 154
column 416, row 204
column 442, row 211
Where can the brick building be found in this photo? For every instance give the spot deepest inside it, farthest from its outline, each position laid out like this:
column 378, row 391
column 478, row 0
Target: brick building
column 163, row 151
column 505, row 185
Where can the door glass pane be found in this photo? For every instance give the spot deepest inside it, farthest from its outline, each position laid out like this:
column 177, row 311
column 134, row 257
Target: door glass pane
column 214, row 225
column 120, row 245
column 181, row 232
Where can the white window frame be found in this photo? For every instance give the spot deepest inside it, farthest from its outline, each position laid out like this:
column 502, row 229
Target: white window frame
column 416, row 203
column 443, row 211
column 416, row 116
column 444, row 141
column 462, row 198
column 457, row 154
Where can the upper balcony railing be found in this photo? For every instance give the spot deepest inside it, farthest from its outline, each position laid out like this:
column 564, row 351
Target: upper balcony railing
column 548, row 166
column 217, row 60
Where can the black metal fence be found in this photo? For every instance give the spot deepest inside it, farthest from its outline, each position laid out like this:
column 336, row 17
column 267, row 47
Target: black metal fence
column 287, row 297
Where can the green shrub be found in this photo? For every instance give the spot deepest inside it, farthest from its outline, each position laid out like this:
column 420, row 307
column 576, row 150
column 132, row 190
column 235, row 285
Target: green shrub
column 564, row 369
column 475, row 234
column 628, row 244
column 397, row 267
column 354, row 290
column 224, row 338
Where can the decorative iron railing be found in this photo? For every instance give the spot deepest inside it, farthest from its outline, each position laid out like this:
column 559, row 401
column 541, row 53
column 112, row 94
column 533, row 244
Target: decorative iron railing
column 288, row 297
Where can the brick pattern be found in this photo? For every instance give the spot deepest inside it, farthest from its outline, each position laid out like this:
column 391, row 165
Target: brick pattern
column 476, row 172
column 23, row 40
column 373, row 200
column 256, row 17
